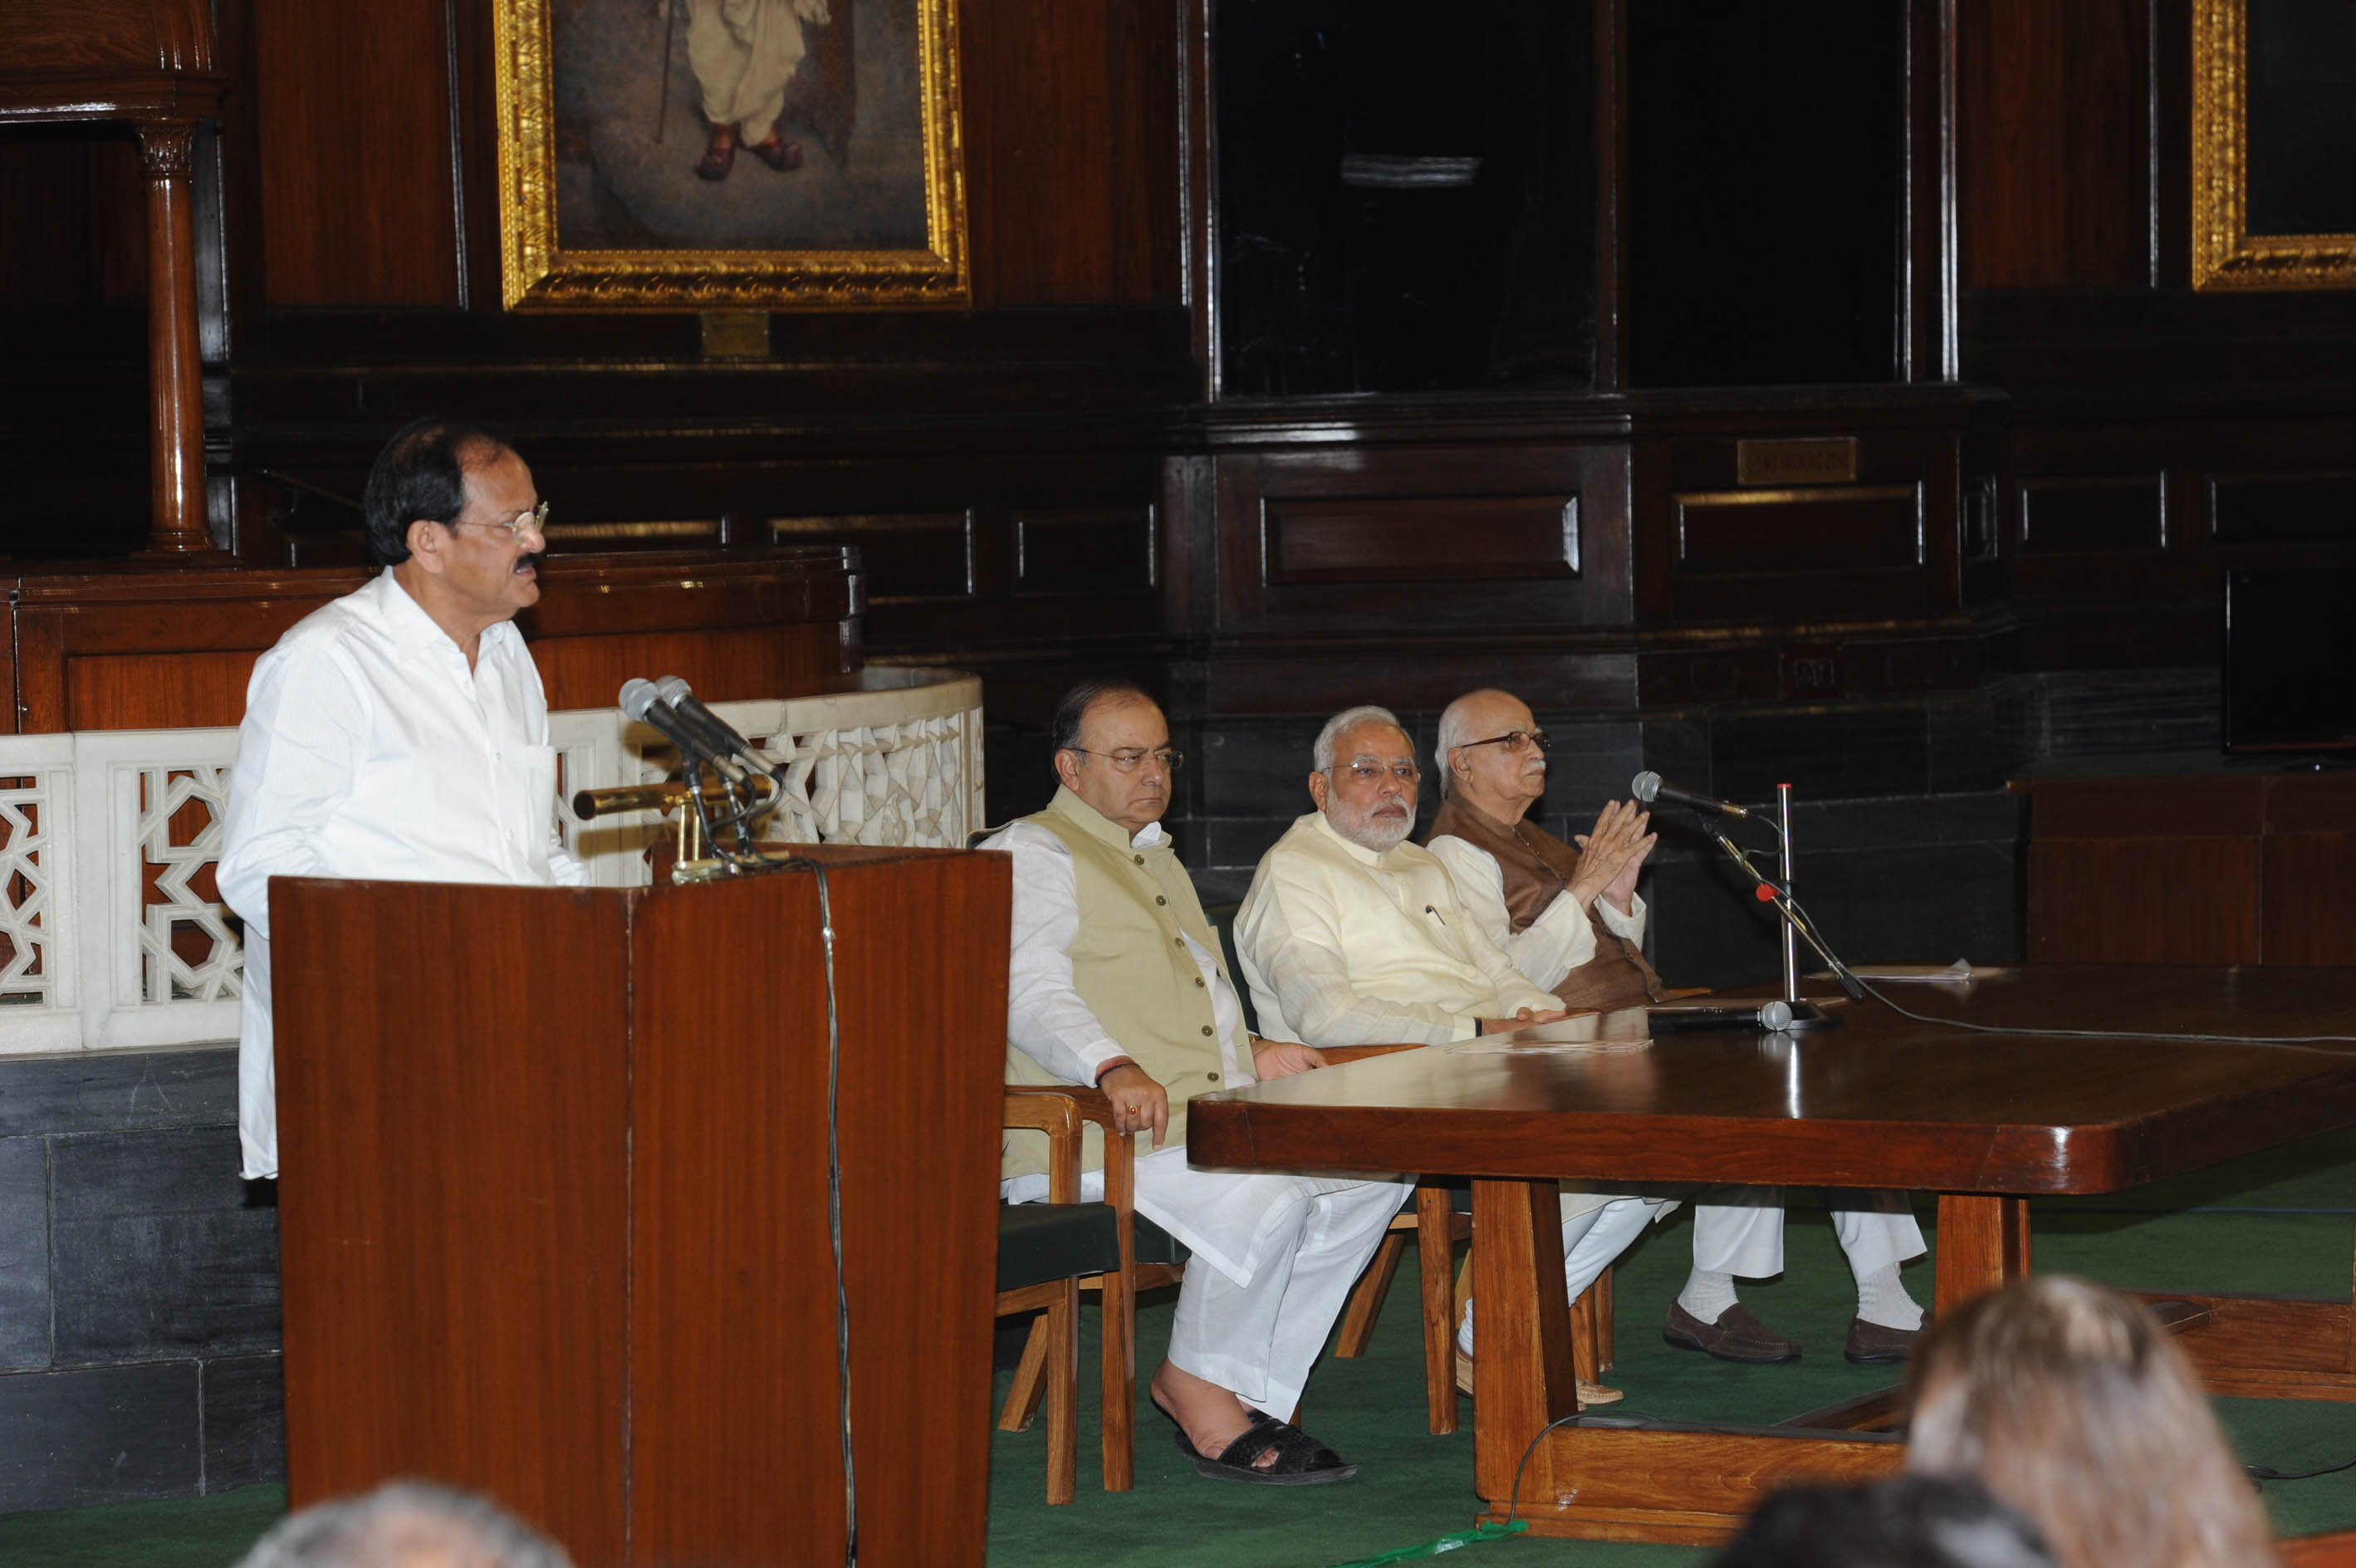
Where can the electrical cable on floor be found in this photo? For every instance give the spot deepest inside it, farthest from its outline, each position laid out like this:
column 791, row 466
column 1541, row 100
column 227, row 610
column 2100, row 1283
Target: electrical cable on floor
column 2268, row 1472
column 2294, row 1042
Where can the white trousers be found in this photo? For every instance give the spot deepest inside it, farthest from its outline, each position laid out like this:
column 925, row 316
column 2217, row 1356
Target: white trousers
column 1744, row 1236
column 1274, row 1259
column 1740, row 1229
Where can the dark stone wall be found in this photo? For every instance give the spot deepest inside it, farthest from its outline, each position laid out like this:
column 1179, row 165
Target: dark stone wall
column 138, row 1283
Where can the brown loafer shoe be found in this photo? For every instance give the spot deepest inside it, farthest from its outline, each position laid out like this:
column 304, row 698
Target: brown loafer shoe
column 1735, row 1336
column 1872, row 1345
column 778, row 153
column 1588, row 1394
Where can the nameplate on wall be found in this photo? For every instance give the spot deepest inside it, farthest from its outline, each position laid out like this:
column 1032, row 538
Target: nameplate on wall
column 1806, row 460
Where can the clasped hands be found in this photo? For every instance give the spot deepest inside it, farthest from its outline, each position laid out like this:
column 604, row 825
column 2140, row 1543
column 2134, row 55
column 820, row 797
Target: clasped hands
column 1611, row 857
column 1140, row 1102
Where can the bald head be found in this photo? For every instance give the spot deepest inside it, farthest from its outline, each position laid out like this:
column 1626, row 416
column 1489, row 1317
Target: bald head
column 1479, row 761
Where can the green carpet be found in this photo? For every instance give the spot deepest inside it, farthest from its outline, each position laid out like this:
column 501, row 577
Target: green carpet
column 2275, row 1222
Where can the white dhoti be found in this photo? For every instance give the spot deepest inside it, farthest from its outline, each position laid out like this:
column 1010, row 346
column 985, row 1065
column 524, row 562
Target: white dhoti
column 1596, row 1228
column 1274, row 1259
column 744, row 52
column 1739, row 1230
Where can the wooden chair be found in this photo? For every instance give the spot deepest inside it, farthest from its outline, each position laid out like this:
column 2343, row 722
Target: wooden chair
column 1043, row 1250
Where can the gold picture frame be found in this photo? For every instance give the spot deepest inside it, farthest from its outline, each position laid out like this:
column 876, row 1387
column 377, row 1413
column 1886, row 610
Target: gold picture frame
column 2225, row 254
column 649, row 231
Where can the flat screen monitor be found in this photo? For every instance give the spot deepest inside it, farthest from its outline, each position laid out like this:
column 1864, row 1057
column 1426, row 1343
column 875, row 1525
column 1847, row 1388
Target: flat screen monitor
column 2290, row 661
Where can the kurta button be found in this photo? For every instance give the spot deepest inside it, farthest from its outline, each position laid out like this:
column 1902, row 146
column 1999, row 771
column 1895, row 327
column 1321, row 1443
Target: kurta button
column 1214, row 1077
column 1160, row 899
column 1198, row 980
column 1139, row 858
column 1206, row 1028
column 1180, row 940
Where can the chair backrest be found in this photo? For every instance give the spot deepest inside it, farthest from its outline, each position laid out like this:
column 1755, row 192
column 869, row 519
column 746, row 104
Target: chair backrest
column 1223, row 920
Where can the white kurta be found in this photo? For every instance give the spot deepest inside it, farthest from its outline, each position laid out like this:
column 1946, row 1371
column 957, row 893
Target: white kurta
column 1344, row 946
column 1277, row 1253
column 370, row 750
column 744, row 52
column 1548, row 948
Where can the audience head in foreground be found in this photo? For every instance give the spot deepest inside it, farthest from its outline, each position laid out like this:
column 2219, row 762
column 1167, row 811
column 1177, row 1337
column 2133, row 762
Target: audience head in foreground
column 1909, row 1521
column 407, row 1524
column 2070, row 1402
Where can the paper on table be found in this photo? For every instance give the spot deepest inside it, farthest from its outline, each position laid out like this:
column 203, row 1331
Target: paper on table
column 1962, row 972
column 1626, row 1030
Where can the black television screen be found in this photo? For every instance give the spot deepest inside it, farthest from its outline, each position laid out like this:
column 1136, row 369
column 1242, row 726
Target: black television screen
column 2290, row 660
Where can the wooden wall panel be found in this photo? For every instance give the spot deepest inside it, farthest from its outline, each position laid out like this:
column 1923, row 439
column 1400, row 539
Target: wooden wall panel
column 722, row 666
column 1423, row 539
column 2317, row 507
column 2092, row 514
column 2053, row 176
column 2194, row 900
column 1072, row 149
column 352, row 103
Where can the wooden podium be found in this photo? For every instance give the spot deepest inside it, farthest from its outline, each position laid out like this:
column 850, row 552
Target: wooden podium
column 553, row 1203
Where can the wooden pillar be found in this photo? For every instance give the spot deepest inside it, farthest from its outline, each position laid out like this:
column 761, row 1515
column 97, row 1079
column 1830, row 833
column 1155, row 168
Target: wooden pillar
column 175, row 390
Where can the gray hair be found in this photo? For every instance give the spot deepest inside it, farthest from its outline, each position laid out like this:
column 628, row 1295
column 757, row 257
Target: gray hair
column 1321, row 756
column 1454, row 731
column 384, row 1528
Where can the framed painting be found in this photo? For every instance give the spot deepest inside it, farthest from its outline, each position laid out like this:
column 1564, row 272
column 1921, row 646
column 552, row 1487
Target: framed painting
column 2273, row 145
column 730, row 155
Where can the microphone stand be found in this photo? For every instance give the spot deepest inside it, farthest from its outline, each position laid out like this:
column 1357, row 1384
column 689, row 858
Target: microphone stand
column 1806, row 1015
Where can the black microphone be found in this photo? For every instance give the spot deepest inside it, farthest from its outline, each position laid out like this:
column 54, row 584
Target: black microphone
column 1647, row 788
column 718, row 734
column 640, row 701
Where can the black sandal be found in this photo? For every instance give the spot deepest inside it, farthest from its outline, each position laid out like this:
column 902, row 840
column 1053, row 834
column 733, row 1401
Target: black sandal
column 1301, row 1459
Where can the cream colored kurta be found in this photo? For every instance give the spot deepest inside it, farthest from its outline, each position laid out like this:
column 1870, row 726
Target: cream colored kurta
column 744, row 52
column 1342, row 946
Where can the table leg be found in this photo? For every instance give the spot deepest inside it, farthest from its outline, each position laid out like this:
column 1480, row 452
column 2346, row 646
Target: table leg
column 1983, row 1243
column 1521, row 1334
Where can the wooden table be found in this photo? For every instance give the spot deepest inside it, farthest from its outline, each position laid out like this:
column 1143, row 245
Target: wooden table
column 1984, row 1121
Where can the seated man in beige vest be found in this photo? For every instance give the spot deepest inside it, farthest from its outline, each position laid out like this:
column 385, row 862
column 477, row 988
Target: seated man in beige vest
column 1571, row 921
column 1116, row 980
column 1352, row 936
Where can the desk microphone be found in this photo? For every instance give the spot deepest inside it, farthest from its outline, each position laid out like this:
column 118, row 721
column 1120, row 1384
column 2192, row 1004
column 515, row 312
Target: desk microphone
column 1647, row 786
column 719, row 735
column 640, row 701
column 1771, row 1016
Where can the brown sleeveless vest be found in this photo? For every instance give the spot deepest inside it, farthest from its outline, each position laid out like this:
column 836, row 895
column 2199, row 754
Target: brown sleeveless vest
column 1539, row 868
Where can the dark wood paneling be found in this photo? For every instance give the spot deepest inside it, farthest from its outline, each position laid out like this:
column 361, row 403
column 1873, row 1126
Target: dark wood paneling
column 1072, row 142
column 2054, row 186
column 909, row 556
column 1801, row 531
column 1091, row 553
column 2092, row 514
column 2119, row 901
column 2310, row 909
column 1423, row 539
column 2283, row 509
column 353, row 110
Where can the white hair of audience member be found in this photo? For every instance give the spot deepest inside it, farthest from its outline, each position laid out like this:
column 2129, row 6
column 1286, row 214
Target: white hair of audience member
column 1455, row 730
column 406, row 1524
column 1321, row 756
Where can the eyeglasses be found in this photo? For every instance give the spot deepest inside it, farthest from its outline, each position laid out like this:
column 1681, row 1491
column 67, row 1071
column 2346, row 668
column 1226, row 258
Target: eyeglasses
column 1130, row 759
column 1367, row 770
column 1512, row 740
column 524, row 522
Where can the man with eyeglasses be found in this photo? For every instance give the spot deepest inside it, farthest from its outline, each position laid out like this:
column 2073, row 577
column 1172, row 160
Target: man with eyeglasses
column 1571, row 921
column 1116, row 980
column 400, row 733
column 1352, row 936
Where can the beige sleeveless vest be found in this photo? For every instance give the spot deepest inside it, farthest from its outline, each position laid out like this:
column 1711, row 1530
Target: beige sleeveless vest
column 1130, row 965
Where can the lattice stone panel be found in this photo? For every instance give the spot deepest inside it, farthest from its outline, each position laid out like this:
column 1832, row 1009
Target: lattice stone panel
column 39, row 993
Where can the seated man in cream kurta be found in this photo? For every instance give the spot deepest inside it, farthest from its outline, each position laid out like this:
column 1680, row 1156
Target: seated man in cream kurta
column 1117, row 980
column 1351, row 936
column 1571, row 921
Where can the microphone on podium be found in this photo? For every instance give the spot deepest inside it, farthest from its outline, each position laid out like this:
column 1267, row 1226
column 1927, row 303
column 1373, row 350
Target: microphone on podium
column 718, row 734
column 1647, row 786
column 640, row 701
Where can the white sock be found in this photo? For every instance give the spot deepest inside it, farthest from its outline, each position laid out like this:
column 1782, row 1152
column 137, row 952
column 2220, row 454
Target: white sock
column 1707, row 1294
column 1464, row 1330
column 1882, row 1301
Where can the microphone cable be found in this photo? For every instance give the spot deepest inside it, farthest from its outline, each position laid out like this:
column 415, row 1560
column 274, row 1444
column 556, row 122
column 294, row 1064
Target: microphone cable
column 834, row 1213
column 2286, row 1042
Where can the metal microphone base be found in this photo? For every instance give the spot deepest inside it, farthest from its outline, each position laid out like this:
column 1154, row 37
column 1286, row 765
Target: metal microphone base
column 1806, row 1015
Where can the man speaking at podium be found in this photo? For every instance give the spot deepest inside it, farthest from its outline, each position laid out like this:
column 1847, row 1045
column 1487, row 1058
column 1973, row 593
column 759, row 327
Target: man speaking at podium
column 399, row 733
column 1116, row 980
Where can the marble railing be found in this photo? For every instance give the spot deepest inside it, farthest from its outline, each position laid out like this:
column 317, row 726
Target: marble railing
column 113, row 935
